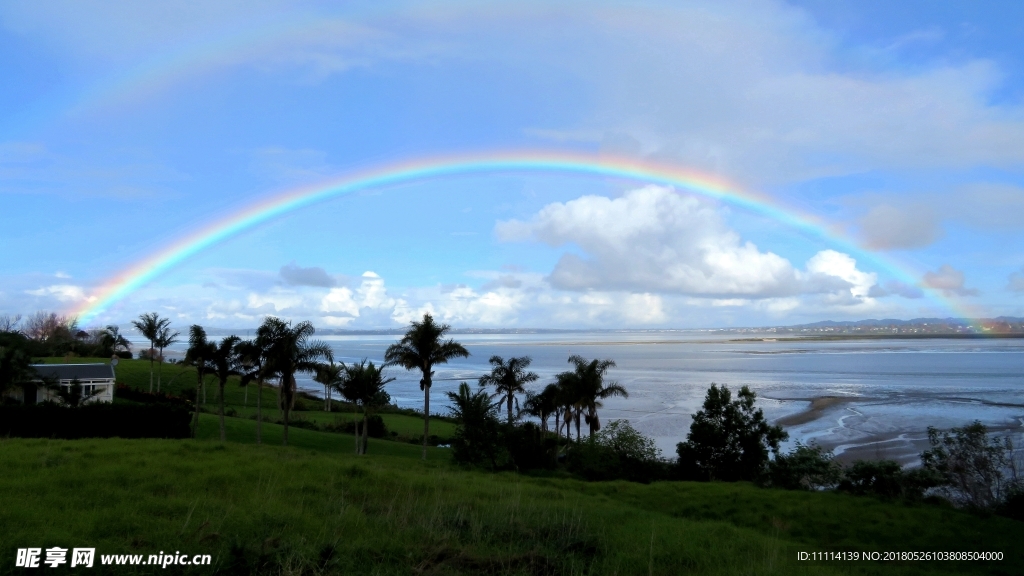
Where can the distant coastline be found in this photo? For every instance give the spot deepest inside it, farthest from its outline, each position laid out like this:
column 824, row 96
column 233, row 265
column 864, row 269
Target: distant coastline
column 903, row 336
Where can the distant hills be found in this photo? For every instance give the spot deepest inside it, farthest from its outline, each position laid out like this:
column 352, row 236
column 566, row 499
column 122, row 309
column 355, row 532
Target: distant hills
column 917, row 326
column 916, row 321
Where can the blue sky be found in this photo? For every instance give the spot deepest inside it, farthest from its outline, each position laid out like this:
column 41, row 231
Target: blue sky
column 127, row 126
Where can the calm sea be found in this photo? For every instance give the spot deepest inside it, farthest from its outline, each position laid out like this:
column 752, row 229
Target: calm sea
column 887, row 392
column 882, row 395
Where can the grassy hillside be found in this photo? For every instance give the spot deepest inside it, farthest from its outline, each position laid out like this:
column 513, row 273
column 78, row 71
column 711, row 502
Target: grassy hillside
column 177, row 379
column 314, row 510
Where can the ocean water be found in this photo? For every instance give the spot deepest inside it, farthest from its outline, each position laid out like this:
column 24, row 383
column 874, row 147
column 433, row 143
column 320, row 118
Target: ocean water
column 886, row 393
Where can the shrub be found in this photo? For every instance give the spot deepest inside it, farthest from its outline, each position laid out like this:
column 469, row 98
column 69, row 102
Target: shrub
column 528, row 448
column 972, row 466
column 618, row 452
column 137, row 395
column 728, row 439
column 805, row 468
column 886, row 479
column 375, row 427
column 477, row 437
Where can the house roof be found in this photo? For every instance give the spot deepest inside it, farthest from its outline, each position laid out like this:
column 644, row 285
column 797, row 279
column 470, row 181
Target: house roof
column 74, row 371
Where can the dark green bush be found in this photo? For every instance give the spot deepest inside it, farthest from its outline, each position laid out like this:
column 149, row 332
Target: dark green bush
column 618, row 452
column 729, row 439
column 804, row 468
column 886, row 479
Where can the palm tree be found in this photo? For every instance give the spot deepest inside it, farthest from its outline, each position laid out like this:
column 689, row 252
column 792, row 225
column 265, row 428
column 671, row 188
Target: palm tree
column 508, row 379
column 543, row 405
column 567, row 404
column 253, row 357
column 364, row 385
column 477, row 435
column 164, row 338
column 592, row 389
column 200, row 354
column 225, row 363
column 421, row 348
column 332, row 377
column 291, row 351
column 113, row 339
column 150, row 325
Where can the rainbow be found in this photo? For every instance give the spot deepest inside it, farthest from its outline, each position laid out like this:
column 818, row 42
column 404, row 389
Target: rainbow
column 138, row 275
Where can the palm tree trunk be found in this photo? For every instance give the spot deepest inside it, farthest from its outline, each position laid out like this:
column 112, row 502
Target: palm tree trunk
column 578, row 412
column 509, row 408
column 362, row 445
column 245, row 398
column 426, row 408
column 259, row 410
column 286, row 383
column 151, row 367
column 223, row 436
column 160, row 373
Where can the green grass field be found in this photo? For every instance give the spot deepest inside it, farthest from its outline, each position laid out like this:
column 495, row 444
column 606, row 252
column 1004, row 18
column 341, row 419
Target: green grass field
column 315, row 507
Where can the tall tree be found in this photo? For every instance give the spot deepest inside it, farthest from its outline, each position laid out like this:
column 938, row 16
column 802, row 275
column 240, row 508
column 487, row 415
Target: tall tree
column 364, row 385
column 291, row 351
column 164, row 338
column 729, row 439
column 508, row 379
column 422, row 347
column 253, row 357
column 113, row 339
column 542, row 405
column 332, row 377
column 15, row 362
column 199, row 355
column 591, row 388
column 225, row 364
column 569, row 402
column 149, row 325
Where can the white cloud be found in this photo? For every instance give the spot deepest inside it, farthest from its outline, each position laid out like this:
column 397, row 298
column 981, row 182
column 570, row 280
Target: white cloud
column 839, row 265
column 62, row 293
column 275, row 301
column 462, row 305
column 339, row 300
column 653, row 239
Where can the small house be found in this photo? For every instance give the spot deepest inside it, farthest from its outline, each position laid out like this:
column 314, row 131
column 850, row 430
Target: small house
column 97, row 382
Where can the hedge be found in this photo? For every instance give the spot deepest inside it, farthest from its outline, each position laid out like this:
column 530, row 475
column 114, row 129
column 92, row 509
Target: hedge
column 97, row 420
